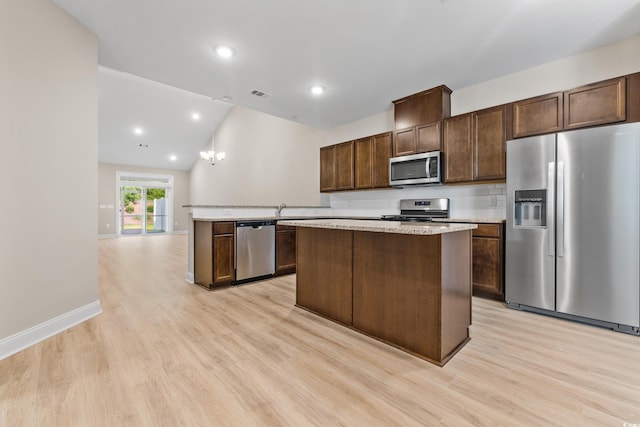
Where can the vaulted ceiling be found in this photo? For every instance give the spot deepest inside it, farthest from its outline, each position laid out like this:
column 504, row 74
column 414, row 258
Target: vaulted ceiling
column 365, row 53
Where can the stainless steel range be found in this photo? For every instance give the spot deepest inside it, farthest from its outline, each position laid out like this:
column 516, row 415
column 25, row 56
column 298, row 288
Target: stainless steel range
column 420, row 210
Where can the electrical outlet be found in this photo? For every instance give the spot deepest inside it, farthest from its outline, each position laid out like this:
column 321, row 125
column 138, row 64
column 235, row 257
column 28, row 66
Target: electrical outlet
column 176, row 223
column 227, row 212
column 108, row 225
column 493, row 201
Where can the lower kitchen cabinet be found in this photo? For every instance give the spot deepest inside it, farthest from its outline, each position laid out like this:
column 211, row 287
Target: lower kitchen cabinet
column 285, row 249
column 488, row 261
column 214, row 252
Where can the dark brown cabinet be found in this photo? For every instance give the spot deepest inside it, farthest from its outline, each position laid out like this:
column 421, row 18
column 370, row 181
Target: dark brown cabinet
column 285, row 249
column 457, row 147
column 417, row 121
column 328, row 168
column 474, row 146
column 213, row 253
column 488, row 261
column 489, row 139
column 539, row 115
column 372, row 161
column 595, row 104
column 344, row 166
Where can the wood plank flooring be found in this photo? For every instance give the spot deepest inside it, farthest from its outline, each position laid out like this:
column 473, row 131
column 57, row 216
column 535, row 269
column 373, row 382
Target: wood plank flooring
column 166, row 353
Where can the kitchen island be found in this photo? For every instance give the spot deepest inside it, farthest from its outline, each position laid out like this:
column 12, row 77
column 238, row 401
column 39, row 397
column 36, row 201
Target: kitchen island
column 406, row 284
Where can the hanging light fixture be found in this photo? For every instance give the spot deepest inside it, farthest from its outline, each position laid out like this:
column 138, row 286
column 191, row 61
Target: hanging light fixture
column 211, row 156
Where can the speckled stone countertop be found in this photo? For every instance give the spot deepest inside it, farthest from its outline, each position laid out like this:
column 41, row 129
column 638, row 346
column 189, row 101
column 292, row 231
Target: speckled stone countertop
column 474, row 220
column 279, row 219
column 381, row 226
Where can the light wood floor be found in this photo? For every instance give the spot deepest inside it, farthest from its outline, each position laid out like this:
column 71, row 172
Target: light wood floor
column 165, row 353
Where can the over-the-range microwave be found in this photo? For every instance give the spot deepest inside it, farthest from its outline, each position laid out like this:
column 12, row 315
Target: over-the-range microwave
column 416, row 169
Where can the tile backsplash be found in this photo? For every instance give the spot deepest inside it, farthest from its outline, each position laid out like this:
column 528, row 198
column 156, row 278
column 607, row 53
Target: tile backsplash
column 478, row 201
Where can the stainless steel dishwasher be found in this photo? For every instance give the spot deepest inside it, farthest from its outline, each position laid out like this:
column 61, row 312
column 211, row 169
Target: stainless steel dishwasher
column 255, row 250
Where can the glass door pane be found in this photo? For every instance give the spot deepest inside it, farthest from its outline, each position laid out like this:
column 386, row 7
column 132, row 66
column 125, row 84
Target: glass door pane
column 156, row 212
column 131, row 210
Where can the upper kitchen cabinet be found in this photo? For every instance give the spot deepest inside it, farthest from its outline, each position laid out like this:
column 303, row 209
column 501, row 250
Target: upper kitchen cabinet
column 595, row 104
column 536, row 116
column 474, row 146
column 489, row 139
column 372, row 161
column 328, row 168
column 458, row 150
column 417, row 117
column 344, row 166
column 633, row 97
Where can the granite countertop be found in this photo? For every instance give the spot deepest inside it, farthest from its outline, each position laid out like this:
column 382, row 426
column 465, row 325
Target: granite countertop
column 283, row 218
column 396, row 227
column 474, row 220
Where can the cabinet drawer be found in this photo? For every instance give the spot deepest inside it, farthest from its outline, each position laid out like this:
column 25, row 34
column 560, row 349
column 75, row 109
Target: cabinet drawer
column 223, row 227
column 487, row 230
column 284, row 227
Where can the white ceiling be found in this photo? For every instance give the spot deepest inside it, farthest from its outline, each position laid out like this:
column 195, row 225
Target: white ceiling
column 365, row 52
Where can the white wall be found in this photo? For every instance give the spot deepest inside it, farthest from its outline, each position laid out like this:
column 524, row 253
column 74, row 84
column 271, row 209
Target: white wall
column 48, row 168
column 269, row 161
column 485, row 200
column 107, row 196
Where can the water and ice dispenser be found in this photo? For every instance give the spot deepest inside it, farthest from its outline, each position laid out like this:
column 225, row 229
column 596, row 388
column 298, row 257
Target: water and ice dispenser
column 530, row 208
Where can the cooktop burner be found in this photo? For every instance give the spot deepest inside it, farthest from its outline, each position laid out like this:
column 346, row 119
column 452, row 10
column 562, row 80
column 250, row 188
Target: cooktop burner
column 420, row 210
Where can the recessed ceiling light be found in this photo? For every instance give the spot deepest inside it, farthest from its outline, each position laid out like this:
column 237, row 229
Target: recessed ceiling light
column 224, row 51
column 195, row 116
column 173, row 158
column 137, row 131
column 317, row 90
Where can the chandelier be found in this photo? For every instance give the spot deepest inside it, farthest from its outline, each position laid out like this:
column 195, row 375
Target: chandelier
column 211, row 156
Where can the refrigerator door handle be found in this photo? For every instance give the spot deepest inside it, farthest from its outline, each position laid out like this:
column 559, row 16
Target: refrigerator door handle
column 560, row 203
column 551, row 171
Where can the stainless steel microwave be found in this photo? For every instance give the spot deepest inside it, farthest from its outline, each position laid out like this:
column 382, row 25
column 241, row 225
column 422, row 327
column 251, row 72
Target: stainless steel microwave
column 416, row 169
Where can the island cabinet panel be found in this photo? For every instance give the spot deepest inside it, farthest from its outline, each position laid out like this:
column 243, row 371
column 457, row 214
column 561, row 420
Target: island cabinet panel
column 399, row 301
column 458, row 150
column 595, row 104
column 324, row 272
column 539, row 115
column 328, row 168
column 214, row 253
column 344, row 166
column 203, row 253
column 285, row 249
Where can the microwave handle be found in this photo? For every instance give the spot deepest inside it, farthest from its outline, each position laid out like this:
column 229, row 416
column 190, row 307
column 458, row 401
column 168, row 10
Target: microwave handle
column 426, row 165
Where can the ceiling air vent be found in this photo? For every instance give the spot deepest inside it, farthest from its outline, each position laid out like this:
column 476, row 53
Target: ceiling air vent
column 260, row 93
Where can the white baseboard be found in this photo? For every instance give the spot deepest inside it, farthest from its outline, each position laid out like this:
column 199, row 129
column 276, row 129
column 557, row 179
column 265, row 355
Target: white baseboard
column 189, row 278
column 107, row 236
column 18, row 342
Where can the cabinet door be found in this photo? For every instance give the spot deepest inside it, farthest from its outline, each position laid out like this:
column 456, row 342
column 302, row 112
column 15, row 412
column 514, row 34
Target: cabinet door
column 381, row 155
column 286, row 251
column 328, row 168
column 428, row 138
column 595, row 104
column 404, row 142
column 489, row 140
column 223, row 268
column 458, row 154
column 344, row 166
column 536, row 116
column 364, row 163
column 487, row 265
column 203, row 253
column 633, row 98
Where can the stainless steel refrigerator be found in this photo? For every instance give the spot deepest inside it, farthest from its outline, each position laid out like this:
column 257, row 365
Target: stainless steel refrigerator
column 573, row 226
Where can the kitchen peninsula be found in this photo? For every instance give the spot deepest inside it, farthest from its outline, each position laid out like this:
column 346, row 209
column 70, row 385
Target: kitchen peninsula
column 406, row 284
